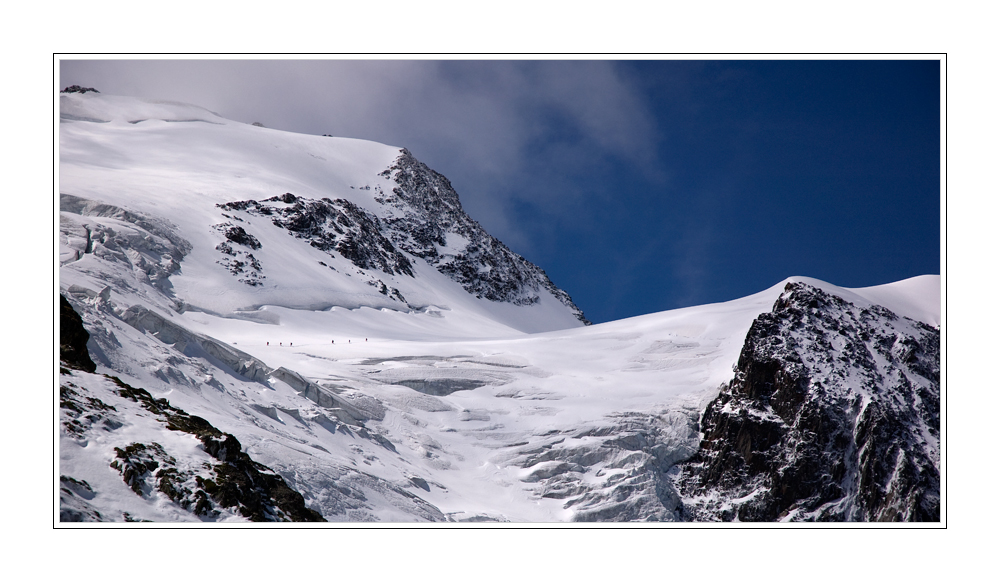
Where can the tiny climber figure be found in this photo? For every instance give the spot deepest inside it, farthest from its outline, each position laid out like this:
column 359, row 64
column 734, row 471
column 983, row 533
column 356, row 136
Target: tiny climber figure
column 280, row 344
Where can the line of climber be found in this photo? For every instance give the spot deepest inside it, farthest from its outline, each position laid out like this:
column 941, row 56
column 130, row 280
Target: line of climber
column 282, row 344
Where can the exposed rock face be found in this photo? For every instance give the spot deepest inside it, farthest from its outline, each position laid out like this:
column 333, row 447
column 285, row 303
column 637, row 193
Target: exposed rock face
column 240, row 262
column 329, row 225
column 432, row 225
column 79, row 89
column 73, row 338
column 239, row 236
column 236, row 482
column 257, row 492
column 833, row 415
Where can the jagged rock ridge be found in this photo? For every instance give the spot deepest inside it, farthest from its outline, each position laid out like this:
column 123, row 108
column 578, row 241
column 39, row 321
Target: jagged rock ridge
column 833, row 415
column 331, row 225
column 328, row 225
column 433, row 226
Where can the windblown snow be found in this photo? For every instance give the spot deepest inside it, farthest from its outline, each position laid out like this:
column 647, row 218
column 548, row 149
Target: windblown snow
column 298, row 293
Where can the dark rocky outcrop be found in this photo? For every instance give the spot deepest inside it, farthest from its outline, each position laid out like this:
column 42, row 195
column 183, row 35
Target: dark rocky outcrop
column 258, row 493
column 833, row 415
column 433, row 218
column 236, row 481
column 73, row 339
column 329, row 225
column 239, row 236
column 239, row 262
column 79, row 89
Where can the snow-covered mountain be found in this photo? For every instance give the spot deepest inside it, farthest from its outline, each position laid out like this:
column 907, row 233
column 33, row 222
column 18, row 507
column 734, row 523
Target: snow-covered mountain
column 297, row 327
column 301, row 221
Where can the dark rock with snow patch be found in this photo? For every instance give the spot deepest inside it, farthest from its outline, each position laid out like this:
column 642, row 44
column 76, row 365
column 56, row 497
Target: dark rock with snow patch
column 433, row 226
column 833, row 415
column 239, row 236
column 239, row 262
column 257, row 492
column 331, row 225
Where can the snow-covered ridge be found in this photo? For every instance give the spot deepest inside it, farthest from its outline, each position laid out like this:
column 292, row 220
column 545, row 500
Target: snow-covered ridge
column 108, row 108
column 224, row 184
column 918, row 298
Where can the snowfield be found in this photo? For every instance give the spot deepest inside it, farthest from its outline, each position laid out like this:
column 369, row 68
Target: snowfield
column 440, row 407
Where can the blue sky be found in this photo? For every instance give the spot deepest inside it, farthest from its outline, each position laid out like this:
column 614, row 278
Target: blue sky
column 638, row 186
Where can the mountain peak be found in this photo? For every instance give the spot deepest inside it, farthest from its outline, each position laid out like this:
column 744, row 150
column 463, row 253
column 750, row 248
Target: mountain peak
column 292, row 220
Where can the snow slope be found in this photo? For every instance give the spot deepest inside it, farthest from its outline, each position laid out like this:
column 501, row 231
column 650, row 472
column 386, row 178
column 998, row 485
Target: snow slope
column 178, row 162
column 447, row 407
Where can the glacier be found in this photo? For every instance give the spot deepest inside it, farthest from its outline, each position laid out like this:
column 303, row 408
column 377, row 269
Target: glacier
column 327, row 304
